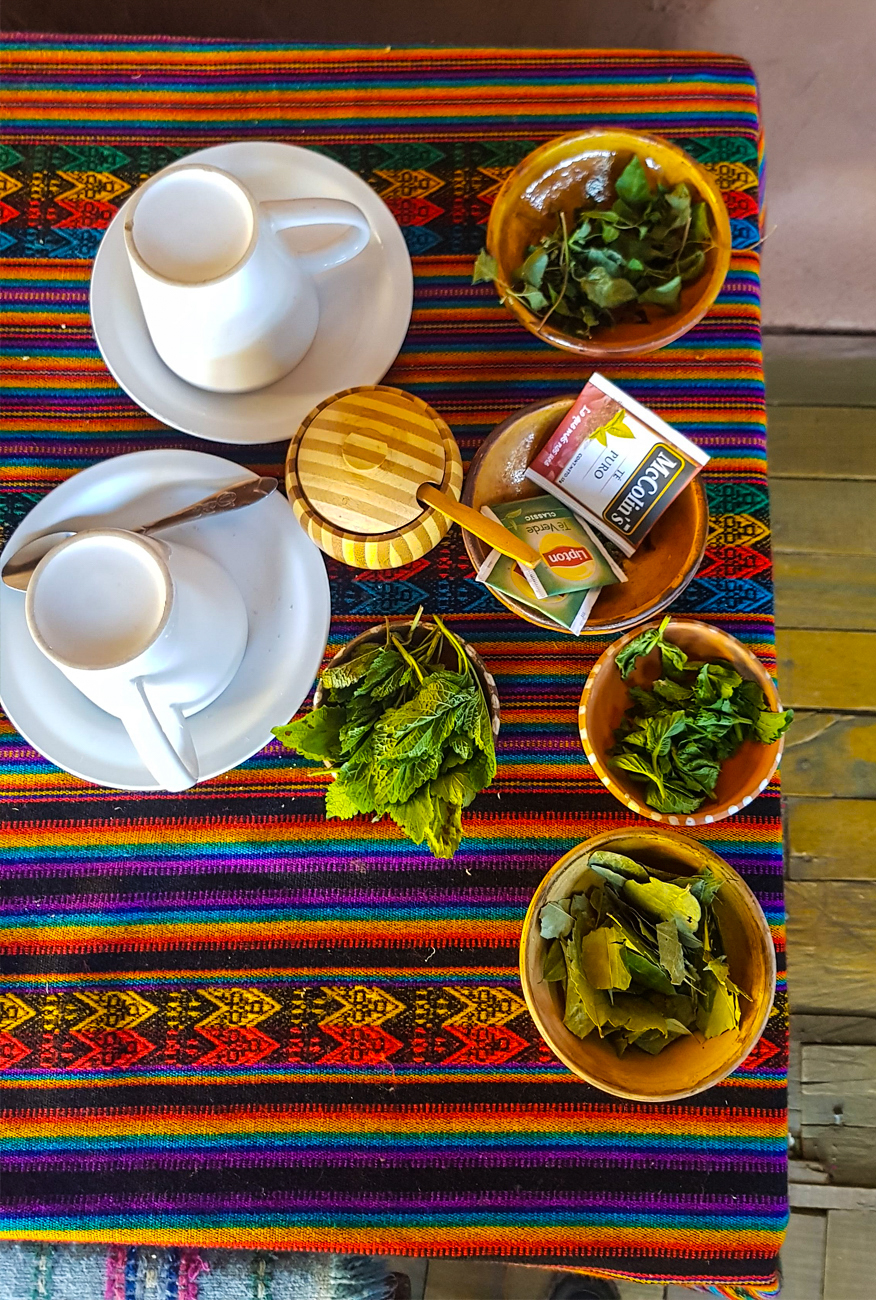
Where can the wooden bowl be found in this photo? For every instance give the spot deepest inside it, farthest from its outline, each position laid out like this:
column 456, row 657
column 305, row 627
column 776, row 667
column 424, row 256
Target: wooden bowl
column 688, row 1065
column 396, row 546
column 657, row 573
column 378, row 633
column 568, row 172
column 606, row 697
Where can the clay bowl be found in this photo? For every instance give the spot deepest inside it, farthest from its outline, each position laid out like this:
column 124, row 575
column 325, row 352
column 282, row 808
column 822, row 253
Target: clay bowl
column 574, row 170
column 657, row 573
column 378, row 634
column 689, row 1065
column 606, row 697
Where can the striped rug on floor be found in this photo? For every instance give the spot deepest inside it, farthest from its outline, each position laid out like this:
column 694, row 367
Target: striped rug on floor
column 45, row 1271
column 226, row 1021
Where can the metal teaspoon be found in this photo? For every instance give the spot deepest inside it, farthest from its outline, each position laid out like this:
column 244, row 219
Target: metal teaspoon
column 18, row 570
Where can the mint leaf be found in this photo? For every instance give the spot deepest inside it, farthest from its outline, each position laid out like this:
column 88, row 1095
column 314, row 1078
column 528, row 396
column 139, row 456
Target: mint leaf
column 662, row 899
column 659, row 730
column 554, row 921
column 618, row 862
column 339, row 804
column 576, row 1018
column 444, row 834
column 610, row 259
column 601, row 953
column 534, row 299
column 647, row 972
column 605, row 290
column 671, row 955
column 691, row 267
column 705, row 888
column 700, row 231
column 632, row 185
column 351, row 670
column 316, row 735
column 554, row 967
column 673, row 800
column 485, row 268
column 664, row 295
column 415, row 815
column 666, row 689
column 646, row 703
column 533, row 269
column 640, row 645
column 679, row 204
column 770, row 726
column 715, row 682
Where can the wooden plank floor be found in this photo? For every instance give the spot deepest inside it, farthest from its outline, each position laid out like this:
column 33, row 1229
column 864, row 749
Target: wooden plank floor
column 823, row 485
column 823, row 493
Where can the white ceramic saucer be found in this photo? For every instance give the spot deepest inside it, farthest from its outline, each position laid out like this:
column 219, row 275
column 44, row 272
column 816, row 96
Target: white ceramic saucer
column 278, row 570
column 365, row 306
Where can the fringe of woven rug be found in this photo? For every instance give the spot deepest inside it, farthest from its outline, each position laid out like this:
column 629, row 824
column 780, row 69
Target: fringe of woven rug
column 46, row 1271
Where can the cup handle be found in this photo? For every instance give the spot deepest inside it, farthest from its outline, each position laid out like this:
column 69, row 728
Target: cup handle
column 171, row 758
column 282, row 214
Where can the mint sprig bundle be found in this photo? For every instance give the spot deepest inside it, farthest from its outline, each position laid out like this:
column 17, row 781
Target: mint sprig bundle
column 405, row 736
column 612, row 262
column 675, row 736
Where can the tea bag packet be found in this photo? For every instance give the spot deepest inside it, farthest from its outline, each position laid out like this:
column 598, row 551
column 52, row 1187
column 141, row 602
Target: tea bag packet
column 572, row 557
column 503, row 576
column 616, row 463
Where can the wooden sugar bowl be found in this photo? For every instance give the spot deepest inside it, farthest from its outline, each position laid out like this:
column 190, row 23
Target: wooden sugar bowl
column 354, row 471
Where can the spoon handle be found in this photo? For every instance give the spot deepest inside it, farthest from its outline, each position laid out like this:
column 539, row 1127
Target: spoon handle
column 218, row 503
column 488, row 530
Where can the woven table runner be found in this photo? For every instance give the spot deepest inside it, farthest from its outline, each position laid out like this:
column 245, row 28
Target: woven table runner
column 228, row 1022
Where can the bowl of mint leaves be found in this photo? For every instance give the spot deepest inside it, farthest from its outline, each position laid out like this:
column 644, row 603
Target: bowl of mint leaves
column 607, row 243
column 405, row 718
column 647, row 964
column 682, row 722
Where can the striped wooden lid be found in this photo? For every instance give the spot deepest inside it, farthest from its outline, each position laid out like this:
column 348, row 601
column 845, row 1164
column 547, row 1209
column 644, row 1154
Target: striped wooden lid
column 363, row 455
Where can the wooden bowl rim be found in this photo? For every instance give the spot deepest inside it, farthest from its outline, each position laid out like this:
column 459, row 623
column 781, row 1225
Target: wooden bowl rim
column 592, row 627
column 730, row 806
column 723, row 868
column 341, row 535
column 640, row 141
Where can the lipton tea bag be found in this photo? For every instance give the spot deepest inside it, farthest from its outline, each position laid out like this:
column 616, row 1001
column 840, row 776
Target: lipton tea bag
column 616, row 463
column 504, row 576
column 572, row 559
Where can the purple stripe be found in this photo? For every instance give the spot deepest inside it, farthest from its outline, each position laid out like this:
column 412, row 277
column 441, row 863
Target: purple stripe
column 399, row 1157
column 209, row 864
column 348, row 896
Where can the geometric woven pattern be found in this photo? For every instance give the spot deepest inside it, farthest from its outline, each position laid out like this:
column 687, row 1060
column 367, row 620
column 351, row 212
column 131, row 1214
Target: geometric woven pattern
column 71, row 1272
column 225, row 1021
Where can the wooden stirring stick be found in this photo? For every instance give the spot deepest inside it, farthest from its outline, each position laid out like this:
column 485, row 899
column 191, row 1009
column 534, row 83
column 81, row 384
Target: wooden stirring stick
column 488, row 530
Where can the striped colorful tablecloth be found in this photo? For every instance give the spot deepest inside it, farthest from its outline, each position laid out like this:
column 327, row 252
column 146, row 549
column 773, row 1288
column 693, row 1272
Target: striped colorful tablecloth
column 227, row 1021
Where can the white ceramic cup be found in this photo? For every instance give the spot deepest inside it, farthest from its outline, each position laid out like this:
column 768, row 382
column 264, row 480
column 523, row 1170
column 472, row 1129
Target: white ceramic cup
column 229, row 306
column 150, row 631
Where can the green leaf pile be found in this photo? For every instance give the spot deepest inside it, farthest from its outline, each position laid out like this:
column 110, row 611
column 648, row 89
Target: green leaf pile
column 405, row 736
column 615, row 260
column 639, row 956
column 675, row 736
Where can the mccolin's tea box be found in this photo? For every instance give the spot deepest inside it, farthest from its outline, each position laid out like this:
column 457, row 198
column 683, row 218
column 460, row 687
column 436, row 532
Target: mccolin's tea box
column 616, row 463
column 573, row 569
column 571, row 557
